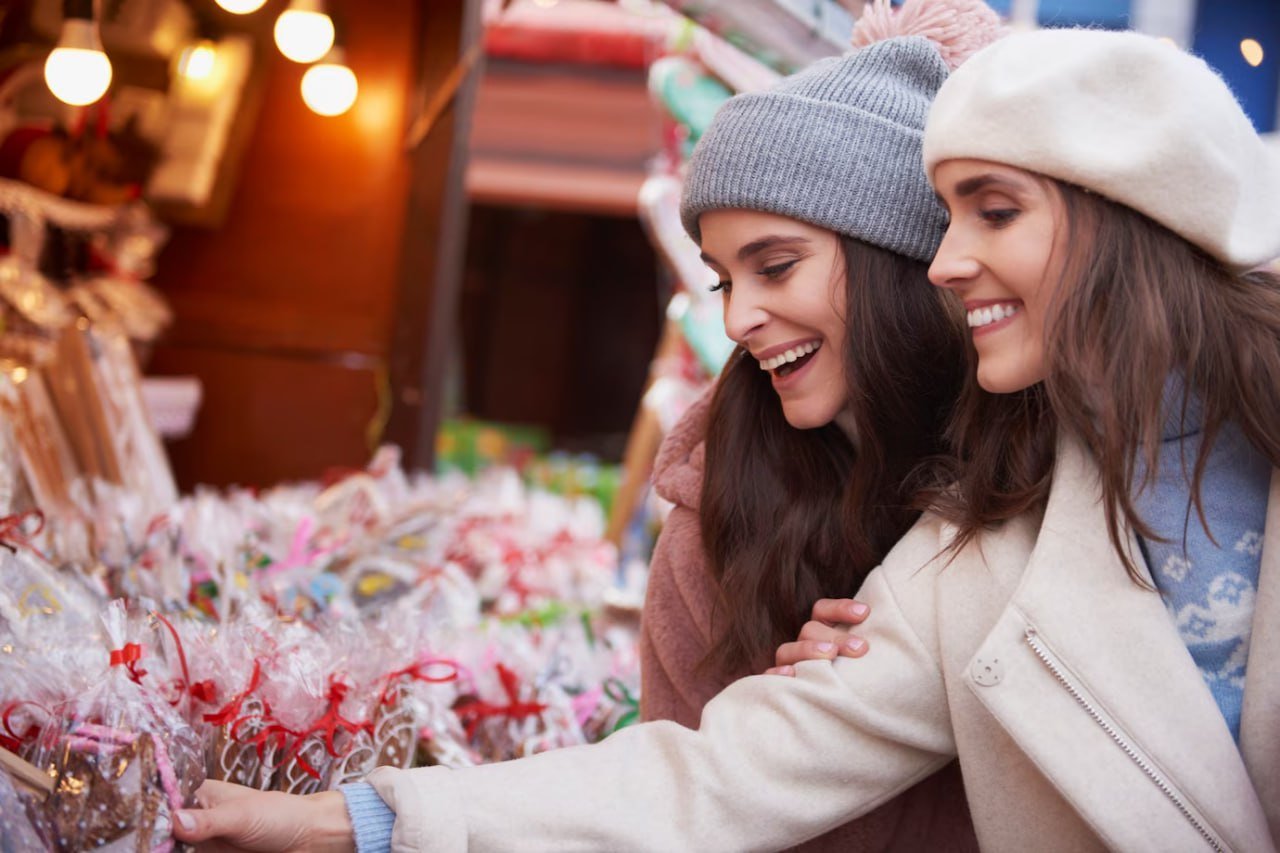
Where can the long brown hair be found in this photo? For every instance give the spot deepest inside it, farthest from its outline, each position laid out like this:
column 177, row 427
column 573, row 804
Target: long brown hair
column 1135, row 304
column 789, row 516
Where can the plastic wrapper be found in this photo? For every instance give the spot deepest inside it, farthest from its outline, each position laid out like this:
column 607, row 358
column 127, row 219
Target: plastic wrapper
column 123, row 760
column 18, row 832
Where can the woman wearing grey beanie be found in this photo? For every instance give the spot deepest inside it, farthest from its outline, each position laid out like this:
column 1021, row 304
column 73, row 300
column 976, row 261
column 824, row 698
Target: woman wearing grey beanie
column 791, row 481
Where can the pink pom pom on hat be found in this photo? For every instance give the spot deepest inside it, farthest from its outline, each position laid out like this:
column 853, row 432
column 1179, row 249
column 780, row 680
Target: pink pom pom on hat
column 958, row 28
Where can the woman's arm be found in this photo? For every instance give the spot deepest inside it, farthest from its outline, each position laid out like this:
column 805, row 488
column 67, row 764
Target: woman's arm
column 774, row 762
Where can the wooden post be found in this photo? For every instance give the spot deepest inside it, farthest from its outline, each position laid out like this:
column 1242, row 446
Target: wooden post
column 433, row 251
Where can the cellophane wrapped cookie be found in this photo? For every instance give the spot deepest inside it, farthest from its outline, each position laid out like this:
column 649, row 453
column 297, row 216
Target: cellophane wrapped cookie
column 122, row 758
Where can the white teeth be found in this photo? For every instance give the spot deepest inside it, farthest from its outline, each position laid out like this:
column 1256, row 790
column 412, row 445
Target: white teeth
column 979, row 317
column 790, row 356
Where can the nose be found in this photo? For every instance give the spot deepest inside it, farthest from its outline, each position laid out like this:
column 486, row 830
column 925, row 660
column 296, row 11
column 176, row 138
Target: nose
column 954, row 264
column 744, row 313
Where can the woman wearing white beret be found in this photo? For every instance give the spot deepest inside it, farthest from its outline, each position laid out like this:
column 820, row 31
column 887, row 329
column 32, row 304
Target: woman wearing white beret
column 1104, row 666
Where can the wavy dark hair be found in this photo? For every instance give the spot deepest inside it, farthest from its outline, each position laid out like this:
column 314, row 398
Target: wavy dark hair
column 1134, row 305
column 789, row 516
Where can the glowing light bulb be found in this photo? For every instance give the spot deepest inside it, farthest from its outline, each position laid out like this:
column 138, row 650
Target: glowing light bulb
column 241, row 7
column 303, row 32
column 1252, row 52
column 77, row 71
column 329, row 88
column 198, row 60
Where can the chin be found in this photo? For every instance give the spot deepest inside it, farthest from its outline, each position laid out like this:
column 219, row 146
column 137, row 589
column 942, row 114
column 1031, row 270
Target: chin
column 807, row 417
column 1006, row 382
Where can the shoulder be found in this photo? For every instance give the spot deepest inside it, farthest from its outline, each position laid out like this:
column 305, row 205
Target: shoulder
column 681, row 460
column 919, row 554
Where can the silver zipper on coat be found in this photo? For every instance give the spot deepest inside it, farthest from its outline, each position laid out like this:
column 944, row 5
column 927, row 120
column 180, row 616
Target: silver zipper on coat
column 1033, row 640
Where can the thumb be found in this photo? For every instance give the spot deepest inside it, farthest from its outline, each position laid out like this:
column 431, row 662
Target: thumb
column 196, row 825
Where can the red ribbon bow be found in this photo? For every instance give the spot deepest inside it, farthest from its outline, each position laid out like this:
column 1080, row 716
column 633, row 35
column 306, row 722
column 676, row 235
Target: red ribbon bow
column 472, row 712
column 229, row 713
column 205, row 691
column 291, row 742
column 128, row 657
column 418, row 672
column 12, row 739
column 13, row 534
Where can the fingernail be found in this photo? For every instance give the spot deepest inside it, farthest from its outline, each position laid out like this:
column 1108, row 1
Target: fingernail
column 855, row 644
column 825, row 647
column 859, row 610
column 185, row 820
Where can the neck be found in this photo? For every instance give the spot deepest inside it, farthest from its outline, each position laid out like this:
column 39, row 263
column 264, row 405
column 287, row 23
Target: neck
column 845, row 421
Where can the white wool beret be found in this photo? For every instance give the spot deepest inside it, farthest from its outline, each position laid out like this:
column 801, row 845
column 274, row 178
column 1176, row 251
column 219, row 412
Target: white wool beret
column 1127, row 116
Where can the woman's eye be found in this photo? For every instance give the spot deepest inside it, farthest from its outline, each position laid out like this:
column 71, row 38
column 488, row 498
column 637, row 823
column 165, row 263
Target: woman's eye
column 999, row 217
column 720, row 285
column 777, row 270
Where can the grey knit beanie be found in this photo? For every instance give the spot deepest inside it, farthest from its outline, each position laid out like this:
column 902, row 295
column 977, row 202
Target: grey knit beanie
column 836, row 145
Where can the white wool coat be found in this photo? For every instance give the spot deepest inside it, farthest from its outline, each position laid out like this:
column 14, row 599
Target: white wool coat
column 1080, row 719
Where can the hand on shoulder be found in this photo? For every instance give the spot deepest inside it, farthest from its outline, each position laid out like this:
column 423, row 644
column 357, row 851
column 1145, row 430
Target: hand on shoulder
column 828, row 634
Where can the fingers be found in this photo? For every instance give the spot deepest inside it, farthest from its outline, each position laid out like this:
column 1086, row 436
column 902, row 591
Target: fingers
column 781, row 670
column 837, row 611
column 847, row 644
column 212, row 793
column 210, row 819
column 843, row 645
column 229, row 812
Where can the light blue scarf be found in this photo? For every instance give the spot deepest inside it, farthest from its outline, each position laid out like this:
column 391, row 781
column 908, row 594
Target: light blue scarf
column 1208, row 588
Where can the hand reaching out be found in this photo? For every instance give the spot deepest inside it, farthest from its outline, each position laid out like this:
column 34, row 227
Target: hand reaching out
column 234, row 818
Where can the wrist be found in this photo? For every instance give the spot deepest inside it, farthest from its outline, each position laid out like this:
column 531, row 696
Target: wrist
column 330, row 830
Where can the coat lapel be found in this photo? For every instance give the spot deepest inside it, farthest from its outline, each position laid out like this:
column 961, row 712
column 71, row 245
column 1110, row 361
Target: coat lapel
column 1117, row 647
column 1260, row 718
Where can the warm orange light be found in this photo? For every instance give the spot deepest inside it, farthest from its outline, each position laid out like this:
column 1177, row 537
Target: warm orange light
column 329, row 88
column 1252, row 52
column 303, row 32
column 241, row 7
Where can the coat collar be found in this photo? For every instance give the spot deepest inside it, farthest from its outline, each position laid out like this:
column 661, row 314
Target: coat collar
column 1260, row 718
column 1117, row 641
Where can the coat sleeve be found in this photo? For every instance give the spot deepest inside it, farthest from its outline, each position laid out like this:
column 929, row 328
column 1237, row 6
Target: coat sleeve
column 775, row 761
column 675, row 630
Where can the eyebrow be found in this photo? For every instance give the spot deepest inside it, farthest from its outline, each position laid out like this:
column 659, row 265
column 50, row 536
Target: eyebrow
column 769, row 242
column 969, row 186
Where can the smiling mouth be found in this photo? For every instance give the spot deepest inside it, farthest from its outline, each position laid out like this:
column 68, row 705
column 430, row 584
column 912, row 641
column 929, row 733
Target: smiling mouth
column 791, row 360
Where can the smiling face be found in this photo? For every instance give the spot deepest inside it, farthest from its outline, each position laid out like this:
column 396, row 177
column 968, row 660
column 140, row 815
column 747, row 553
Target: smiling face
column 1002, row 257
column 784, row 301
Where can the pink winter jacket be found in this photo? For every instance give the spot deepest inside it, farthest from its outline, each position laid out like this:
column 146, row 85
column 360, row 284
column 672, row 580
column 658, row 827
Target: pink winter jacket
column 676, row 635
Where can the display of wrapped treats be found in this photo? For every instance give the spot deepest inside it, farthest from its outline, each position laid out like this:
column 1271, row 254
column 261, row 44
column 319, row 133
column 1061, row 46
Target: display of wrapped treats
column 298, row 638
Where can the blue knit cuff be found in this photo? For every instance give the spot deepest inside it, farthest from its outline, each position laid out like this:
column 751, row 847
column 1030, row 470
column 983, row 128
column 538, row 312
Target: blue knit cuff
column 371, row 820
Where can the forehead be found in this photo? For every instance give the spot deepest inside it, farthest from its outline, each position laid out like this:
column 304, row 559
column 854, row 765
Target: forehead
column 960, row 178
column 726, row 231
